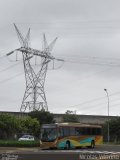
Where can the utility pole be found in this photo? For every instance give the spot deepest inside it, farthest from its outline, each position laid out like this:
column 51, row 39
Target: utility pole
column 108, row 136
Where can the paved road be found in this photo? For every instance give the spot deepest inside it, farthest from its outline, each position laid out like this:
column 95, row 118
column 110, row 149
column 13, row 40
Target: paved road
column 109, row 148
column 37, row 154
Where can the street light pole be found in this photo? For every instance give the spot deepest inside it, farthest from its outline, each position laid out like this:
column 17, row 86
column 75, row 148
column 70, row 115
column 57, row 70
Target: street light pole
column 108, row 115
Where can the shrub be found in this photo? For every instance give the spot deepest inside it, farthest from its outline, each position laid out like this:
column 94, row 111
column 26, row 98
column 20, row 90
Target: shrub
column 4, row 143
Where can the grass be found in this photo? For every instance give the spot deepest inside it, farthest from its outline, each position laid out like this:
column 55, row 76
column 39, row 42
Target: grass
column 10, row 143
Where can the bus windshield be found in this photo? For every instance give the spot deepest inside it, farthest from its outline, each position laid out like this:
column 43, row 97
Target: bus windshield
column 48, row 134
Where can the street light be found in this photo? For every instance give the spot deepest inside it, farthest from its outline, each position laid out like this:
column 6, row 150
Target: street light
column 108, row 115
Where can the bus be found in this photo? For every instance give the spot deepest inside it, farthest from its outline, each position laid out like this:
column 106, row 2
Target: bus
column 70, row 135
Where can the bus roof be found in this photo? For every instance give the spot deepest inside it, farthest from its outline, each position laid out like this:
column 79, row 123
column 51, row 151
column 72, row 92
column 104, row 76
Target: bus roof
column 72, row 125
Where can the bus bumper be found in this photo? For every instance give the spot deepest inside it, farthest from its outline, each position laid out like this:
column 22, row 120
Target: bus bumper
column 48, row 145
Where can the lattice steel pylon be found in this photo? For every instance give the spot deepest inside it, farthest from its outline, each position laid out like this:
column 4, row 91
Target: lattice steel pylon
column 34, row 96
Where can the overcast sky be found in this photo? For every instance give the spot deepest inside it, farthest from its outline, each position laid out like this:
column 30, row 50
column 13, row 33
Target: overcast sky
column 88, row 34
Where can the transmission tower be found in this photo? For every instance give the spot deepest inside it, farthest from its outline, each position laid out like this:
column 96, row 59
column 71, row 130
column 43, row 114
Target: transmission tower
column 34, row 96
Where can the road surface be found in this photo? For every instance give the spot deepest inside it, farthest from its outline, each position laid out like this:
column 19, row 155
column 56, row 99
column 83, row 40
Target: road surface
column 37, row 154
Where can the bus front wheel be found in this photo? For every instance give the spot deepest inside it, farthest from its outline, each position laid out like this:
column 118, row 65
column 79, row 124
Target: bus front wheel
column 92, row 144
column 67, row 146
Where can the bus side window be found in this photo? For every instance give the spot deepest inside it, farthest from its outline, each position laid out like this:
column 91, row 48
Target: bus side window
column 72, row 131
column 83, row 131
column 61, row 132
column 78, row 131
column 99, row 131
column 94, row 131
column 89, row 131
column 66, row 131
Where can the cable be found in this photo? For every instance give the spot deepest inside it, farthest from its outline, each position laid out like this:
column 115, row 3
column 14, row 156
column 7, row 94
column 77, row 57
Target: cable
column 96, row 106
column 5, row 69
column 94, row 100
column 4, row 81
column 57, row 67
column 12, row 60
column 88, row 76
column 118, row 104
column 93, row 61
column 90, row 57
column 1, row 57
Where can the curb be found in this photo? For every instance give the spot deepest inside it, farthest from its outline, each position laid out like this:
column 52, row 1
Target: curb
column 13, row 150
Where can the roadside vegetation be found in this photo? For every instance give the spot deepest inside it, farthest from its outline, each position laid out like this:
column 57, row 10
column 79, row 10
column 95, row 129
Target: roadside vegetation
column 114, row 126
column 43, row 117
column 12, row 128
column 70, row 116
column 15, row 143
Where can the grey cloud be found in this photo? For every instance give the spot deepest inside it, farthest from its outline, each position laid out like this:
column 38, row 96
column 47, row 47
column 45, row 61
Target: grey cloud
column 86, row 28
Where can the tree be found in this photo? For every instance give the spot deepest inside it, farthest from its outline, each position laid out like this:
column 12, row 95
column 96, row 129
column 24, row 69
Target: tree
column 8, row 126
column 30, row 125
column 11, row 126
column 114, row 126
column 70, row 116
column 42, row 116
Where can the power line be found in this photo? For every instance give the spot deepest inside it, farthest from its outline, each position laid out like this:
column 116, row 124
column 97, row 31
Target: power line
column 96, row 106
column 89, row 76
column 94, row 100
column 118, row 104
column 1, row 57
column 114, row 62
column 11, row 66
column 111, row 64
column 90, row 57
column 6, row 80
